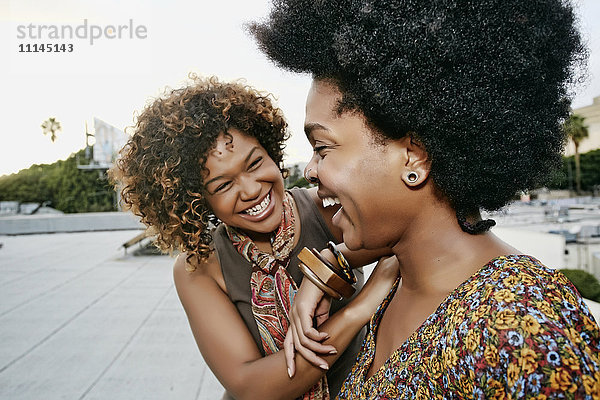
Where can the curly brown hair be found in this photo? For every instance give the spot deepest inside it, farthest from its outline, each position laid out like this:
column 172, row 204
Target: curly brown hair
column 160, row 168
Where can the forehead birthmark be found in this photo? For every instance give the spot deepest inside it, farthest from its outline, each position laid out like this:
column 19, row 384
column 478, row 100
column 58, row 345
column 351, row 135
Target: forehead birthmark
column 223, row 145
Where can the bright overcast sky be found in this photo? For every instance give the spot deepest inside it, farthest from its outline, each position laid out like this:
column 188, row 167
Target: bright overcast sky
column 112, row 78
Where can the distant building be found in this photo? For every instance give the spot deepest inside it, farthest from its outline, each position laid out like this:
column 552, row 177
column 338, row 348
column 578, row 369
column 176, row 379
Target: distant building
column 591, row 114
column 109, row 140
column 8, row 208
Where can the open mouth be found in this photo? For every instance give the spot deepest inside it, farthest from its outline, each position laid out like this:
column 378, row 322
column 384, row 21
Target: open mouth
column 260, row 207
column 330, row 201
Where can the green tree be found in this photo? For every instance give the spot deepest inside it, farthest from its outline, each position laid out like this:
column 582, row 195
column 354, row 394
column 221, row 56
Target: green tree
column 66, row 187
column 576, row 131
column 587, row 285
column 590, row 172
column 51, row 126
column 296, row 178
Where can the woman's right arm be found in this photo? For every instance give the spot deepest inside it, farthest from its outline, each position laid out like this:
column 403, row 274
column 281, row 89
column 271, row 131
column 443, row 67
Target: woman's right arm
column 311, row 304
column 229, row 349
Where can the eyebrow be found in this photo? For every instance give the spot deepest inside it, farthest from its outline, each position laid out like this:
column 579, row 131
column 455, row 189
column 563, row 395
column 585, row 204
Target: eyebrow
column 245, row 161
column 310, row 127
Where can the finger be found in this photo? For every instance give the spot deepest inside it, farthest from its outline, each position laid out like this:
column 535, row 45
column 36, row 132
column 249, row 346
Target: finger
column 322, row 311
column 315, row 346
column 288, row 347
column 308, row 355
column 320, row 319
column 303, row 325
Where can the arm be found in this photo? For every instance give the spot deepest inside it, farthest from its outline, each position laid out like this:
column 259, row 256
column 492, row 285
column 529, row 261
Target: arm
column 229, row 349
column 305, row 339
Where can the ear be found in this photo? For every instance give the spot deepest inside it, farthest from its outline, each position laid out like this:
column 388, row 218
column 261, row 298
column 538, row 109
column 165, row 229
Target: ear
column 413, row 161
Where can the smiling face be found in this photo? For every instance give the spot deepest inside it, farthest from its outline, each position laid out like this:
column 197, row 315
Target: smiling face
column 244, row 185
column 354, row 168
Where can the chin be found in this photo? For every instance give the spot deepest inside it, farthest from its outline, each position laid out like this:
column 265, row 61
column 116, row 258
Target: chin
column 270, row 224
column 352, row 242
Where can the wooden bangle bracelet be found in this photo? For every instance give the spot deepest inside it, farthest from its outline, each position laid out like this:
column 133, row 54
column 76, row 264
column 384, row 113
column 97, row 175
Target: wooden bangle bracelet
column 325, row 273
column 318, row 283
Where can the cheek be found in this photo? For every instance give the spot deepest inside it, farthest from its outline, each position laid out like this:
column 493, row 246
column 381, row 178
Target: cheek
column 221, row 206
column 273, row 175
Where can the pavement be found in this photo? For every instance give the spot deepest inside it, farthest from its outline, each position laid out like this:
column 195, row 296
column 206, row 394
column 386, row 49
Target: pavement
column 79, row 320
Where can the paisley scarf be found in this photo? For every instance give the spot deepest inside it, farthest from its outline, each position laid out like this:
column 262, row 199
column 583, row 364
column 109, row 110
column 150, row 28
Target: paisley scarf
column 272, row 288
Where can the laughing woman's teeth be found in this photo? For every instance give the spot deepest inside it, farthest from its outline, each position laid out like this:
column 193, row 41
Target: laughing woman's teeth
column 257, row 209
column 330, row 201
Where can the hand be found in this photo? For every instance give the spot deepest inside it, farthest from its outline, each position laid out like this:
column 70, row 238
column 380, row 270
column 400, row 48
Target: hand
column 305, row 339
column 376, row 288
column 310, row 303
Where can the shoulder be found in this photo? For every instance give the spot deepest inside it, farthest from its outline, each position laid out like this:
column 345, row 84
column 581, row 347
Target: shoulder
column 188, row 273
column 524, row 284
column 511, row 288
column 308, row 195
column 526, row 323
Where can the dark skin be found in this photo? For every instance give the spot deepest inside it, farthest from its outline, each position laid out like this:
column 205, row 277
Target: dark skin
column 240, row 176
column 381, row 207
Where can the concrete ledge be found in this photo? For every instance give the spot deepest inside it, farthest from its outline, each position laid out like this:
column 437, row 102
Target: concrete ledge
column 83, row 222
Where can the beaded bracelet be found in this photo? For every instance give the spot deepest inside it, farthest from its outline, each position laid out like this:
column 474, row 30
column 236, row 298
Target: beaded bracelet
column 325, row 272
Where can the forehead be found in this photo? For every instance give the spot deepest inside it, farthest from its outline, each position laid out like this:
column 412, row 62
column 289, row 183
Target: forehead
column 230, row 149
column 323, row 120
column 321, row 102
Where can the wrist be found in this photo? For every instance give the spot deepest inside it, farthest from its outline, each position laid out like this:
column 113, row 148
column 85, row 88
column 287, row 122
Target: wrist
column 358, row 311
column 325, row 275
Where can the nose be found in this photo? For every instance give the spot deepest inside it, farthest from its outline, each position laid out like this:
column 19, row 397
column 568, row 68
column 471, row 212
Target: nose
column 310, row 171
column 249, row 188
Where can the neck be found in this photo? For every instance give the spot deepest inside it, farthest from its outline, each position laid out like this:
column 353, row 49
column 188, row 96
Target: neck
column 262, row 240
column 436, row 256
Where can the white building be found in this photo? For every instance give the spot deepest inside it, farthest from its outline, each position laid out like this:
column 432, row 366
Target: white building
column 591, row 114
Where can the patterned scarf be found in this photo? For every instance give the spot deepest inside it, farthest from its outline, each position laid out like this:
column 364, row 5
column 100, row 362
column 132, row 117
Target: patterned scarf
column 272, row 288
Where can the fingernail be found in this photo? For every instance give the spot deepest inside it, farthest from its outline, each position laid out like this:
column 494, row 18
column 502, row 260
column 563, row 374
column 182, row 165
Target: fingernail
column 289, row 372
column 334, row 351
column 326, row 337
column 324, row 366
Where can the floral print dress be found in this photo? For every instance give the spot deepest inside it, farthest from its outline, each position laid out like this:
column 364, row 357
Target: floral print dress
column 515, row 329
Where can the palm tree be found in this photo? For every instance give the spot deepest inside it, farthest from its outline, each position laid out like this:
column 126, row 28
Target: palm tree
column 577, row 131
column 51, row 126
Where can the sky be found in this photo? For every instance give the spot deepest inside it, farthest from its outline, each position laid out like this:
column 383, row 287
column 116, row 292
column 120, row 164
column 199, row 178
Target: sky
column 160, row 43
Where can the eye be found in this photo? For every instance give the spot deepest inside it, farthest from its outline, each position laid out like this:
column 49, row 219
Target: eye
column 255, row 164
column 222, row 187
column 320, row 150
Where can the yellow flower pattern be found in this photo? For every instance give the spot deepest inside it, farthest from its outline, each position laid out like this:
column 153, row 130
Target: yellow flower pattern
column 514, row 330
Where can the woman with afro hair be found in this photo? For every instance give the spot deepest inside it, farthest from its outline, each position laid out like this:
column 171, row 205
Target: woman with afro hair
column 421, row 114
column 203, row 169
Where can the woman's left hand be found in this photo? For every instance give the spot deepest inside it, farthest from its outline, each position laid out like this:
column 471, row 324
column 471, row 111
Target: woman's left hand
column 310, row 304
column 306, row 340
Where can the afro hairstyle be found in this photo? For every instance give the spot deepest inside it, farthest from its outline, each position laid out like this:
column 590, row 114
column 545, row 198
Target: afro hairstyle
column 484, row 85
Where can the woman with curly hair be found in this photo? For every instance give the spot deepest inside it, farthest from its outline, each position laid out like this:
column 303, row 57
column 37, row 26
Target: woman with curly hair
column 421, row 114
column 210, row 154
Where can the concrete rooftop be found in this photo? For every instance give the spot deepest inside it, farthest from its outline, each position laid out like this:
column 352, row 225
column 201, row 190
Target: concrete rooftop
column 79, row 320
